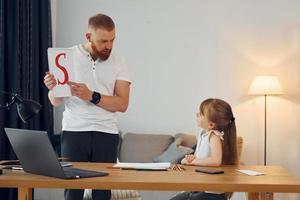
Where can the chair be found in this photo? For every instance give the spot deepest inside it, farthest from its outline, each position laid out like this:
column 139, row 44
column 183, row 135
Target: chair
column 239, row 144
column 116, row 195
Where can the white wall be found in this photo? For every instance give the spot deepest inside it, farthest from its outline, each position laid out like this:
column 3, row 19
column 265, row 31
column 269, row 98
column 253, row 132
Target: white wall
column 182, row 52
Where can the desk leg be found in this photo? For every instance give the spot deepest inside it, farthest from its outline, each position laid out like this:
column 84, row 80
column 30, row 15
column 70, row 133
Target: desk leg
column 24, row 193
column 260, row 196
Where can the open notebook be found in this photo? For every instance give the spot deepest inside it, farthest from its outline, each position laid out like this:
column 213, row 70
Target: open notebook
column 144, row 166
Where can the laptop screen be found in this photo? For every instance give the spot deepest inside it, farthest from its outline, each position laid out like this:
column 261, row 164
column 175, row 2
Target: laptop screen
column 35, row 152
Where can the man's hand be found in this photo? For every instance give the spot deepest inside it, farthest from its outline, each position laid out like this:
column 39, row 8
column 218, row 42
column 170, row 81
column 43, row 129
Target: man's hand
column 50, row 81
column 81, row 91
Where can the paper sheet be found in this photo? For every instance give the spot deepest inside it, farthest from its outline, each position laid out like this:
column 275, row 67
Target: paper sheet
column 250, row 172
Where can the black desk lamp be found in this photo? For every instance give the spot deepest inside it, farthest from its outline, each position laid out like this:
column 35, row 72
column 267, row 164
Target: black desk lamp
column 26, row 108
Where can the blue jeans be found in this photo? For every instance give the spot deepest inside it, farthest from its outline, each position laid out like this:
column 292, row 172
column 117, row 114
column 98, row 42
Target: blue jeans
column 89, row 146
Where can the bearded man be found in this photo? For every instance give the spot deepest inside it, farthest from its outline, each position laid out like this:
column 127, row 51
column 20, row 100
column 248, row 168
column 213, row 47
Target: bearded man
column 100, row 89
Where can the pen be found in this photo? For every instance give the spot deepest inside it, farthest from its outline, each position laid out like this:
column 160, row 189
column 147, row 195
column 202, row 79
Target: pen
column 176, row 167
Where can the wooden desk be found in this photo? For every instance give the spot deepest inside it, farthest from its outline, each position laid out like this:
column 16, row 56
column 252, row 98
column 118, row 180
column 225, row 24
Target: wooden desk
column 276, row 179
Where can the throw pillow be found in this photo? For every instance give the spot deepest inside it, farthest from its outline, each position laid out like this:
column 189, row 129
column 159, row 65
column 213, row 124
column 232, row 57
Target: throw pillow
column 174, row 154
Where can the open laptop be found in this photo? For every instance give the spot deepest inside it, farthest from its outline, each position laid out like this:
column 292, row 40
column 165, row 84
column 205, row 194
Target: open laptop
column 37, row 156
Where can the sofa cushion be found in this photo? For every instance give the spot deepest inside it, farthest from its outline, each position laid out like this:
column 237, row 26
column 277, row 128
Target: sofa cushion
column 143, row 147
column 174, row 153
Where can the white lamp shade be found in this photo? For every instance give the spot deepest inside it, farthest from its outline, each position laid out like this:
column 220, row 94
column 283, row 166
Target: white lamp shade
column 265, row 85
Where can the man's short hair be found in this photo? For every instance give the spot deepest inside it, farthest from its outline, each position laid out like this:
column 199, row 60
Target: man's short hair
column 101, row 21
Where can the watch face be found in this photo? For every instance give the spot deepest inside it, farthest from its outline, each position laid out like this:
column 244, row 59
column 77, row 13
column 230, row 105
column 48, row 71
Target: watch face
column 96, row 98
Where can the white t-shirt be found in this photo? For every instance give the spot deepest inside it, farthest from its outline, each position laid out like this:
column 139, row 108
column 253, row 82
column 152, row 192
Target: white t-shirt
column 99, row 76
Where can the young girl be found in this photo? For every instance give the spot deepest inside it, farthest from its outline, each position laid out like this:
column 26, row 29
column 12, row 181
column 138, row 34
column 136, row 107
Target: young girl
column 216, row 144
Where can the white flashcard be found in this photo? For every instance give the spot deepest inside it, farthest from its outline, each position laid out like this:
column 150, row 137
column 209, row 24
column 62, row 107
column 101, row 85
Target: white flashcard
column 61, row 66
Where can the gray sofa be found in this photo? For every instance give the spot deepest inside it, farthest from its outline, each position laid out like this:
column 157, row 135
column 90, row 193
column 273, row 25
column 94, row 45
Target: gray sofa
column 135, row 147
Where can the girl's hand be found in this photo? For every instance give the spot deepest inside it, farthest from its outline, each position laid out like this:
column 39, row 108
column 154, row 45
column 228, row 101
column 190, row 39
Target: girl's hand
column 184, row 162
column 189, row 158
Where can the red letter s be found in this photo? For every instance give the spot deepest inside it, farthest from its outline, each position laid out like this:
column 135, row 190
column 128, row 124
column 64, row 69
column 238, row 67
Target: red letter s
column 62, row 68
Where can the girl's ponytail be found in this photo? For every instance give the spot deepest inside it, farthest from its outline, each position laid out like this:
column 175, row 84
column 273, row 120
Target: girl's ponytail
column 229, row 145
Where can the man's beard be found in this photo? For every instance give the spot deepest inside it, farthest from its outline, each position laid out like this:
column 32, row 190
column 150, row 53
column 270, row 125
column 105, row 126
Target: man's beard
column 103, row 55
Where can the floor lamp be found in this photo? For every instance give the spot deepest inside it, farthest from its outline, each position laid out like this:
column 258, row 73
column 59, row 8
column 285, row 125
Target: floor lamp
column 265, row 85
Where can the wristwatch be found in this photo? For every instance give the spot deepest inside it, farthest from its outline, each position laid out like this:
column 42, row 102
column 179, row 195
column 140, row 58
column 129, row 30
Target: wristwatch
column 96, row 97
